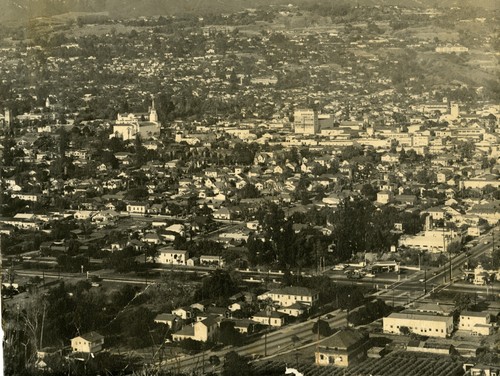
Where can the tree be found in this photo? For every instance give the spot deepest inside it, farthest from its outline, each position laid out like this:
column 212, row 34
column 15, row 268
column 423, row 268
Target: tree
column 404, row 330
column 219, row 285
column 352, row 227
column 9, row 145
column 462, row 302
column 496, row 258
column 301, row 192
column 190, row 344
column 248, row 191
column 454, row 247
column 228, row 335
column 235, row 364
column 214, row 360
column 322, row 328
column 135, row 326
column 369, row 192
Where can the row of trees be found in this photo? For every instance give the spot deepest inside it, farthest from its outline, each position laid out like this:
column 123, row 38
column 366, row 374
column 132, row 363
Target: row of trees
column 357, row 226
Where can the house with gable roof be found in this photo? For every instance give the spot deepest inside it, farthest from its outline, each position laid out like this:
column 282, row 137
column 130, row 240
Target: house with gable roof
column 87, row 343
column 342, row 349
column 200, row 331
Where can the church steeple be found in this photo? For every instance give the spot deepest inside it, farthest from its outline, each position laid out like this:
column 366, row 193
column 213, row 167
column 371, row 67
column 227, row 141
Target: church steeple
column 153, row 115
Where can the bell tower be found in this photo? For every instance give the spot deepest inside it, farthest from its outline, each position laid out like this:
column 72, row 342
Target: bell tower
column 153, row 115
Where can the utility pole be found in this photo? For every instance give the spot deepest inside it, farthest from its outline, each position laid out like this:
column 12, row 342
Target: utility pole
column 265, row 343
column 347, row 316
column 451, row 267
column 425, row 281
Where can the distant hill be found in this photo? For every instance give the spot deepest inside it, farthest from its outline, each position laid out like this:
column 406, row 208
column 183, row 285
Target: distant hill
column 22, row 10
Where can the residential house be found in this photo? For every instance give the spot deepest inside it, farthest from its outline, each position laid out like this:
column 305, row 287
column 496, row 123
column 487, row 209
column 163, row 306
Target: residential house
column 84, row 214
column 151, row 238
column 385, row 197
column 184, row 313
column 200, row 331
column 221, row 312
column 244, row 326
column 105, row 216
column 295, row 310
column 478, row 323
column 406, row 199
column 211, row 261
column 222, row 213
column 270, row 318
column 342, row 349
column 172, row 256
column 237, row 306
column 173, row 321
column 137, row 208
column 87, row 343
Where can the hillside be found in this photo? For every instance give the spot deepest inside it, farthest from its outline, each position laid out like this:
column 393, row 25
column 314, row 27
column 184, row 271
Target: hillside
column 22, row 10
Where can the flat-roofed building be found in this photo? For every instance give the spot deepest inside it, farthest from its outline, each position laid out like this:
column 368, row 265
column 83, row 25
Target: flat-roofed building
column 306, row 121
column 427, row 325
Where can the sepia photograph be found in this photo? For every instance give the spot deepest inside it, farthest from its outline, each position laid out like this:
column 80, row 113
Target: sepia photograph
column 250, row 187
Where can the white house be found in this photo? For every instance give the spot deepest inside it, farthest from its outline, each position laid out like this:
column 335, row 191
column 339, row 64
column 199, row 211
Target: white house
column 171, row 256
column 183, row 312
column 174, row 322
column 211, row 260
column 385, row 197
column 295, row 309
column 137, row 208
column 84, row 214
column 201, row 330
column 87, row 343
column 222, row 213
column 271, row 318
column 478, row 323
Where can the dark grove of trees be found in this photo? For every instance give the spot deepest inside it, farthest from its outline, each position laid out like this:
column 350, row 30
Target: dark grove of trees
column 65, row 311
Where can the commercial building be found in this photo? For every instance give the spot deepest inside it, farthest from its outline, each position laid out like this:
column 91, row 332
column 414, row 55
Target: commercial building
column 427, row 325
column 289, row 295
column 306, row 121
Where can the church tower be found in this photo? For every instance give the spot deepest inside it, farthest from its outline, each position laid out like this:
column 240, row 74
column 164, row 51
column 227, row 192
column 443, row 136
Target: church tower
column 153, row 115
column 8, row 117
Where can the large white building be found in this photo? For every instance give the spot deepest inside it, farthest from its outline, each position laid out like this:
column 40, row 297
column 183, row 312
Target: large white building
column 127, row 126
column 426, row 325
column 451, row 49
column 289, row 295
column 435, row 240
column 306, row 121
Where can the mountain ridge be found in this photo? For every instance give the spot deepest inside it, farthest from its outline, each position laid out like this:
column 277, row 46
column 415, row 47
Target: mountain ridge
column 23, row 10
